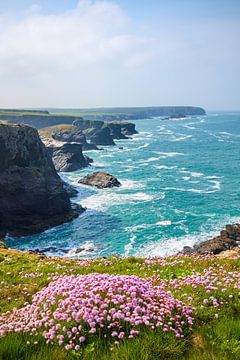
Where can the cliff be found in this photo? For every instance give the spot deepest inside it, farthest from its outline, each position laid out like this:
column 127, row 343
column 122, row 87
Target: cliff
column 32, row 196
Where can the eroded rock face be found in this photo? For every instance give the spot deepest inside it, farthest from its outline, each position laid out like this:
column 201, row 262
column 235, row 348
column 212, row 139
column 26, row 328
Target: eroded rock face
column 66, row 156
column 100, row 180
column 227, row 240
column 102, row 137
column 69, row 157
column 74, row 136
column 32, row 197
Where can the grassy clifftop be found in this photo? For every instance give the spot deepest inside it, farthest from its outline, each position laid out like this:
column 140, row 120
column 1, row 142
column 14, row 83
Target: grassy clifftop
column 182, row 307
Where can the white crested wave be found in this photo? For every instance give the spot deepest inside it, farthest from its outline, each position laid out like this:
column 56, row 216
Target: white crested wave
column 142, row 146
column 151, row 159
column 164, row 223
column 98, row 164
column 216, row 187
column 164, row 155
column 180, row 138
column 166, row 246
column 164, row 167
column 128, row 247
column 131, row 184
column 84, row 250
column 105, row 199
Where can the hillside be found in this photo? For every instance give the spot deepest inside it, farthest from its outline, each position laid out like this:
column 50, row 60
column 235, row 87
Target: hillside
column 180, row 307
column 52, row 117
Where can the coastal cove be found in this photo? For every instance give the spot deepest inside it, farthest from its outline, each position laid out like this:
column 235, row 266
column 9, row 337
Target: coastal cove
column 179, row 187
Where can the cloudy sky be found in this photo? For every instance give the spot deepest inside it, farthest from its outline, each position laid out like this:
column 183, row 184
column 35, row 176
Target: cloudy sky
column 69, row 53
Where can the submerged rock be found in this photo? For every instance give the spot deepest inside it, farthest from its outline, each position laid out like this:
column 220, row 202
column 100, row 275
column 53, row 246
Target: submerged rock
column 100, row 180
column 32, row 196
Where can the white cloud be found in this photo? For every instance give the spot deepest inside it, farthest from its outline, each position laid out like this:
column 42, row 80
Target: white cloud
column 93, row 33
column 96, row 55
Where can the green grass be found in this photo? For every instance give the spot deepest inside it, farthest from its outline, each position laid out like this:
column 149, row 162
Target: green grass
column 212, row 338
column 51, row 130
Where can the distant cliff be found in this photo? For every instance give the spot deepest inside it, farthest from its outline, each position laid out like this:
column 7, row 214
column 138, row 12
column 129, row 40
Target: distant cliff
column 42, row 119
column 32, row 196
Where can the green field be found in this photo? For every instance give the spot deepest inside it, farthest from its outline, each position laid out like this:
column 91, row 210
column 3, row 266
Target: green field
column 215, row 331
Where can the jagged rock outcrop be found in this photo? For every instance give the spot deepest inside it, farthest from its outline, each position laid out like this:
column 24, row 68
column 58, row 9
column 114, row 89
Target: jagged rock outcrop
column 227, row 240
column 66, row 133
column 68, row 157
column 32, row 196
column 75, row 135
column 70, row 189
column 116, row 131
column 128, row 128
column 100, row 180
column 102, row 137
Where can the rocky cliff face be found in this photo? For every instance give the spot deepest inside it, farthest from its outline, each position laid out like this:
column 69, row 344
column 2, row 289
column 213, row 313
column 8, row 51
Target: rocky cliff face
column 75, row 135
column 32, row 196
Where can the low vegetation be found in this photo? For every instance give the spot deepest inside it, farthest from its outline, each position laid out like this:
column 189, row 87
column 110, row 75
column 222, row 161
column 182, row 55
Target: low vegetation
column 181, row 307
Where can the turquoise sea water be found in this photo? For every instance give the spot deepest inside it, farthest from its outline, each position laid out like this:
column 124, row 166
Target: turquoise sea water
column 180, row 185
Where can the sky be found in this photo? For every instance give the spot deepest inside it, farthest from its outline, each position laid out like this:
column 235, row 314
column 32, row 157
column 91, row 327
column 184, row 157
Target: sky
column 79, row 54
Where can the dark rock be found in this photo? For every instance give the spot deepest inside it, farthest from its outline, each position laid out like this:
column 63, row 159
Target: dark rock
column 116, row 130
column 102, row 137
column 32, row 196
column 88, row 159
column 70, row 189
column 227, row 240
column 187, row 250
column 69, row 157
column 79, row 250
column 128, row 128
column 100, row 180
column 76, row 135
column 49, row 249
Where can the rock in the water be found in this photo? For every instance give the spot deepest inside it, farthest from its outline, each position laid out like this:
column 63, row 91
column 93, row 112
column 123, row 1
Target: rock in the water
column 102, row 137
column 68, row 157
column 100, row 180
column 227, row 240
column 32, row 197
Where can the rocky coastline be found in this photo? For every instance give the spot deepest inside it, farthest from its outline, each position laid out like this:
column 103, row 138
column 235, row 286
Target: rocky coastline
column 32, row 195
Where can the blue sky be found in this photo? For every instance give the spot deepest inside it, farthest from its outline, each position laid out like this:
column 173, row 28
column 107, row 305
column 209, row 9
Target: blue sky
column 69, row 53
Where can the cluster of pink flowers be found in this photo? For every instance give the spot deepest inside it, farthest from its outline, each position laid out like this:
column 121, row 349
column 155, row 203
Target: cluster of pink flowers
column 72, row 309
column 214, row 281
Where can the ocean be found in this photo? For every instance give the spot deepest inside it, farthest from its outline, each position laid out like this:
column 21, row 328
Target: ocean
column 180, row 186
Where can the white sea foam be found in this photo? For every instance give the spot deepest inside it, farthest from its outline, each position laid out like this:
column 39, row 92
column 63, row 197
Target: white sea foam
column 128, row 247
column 151, row 159
column 180, row 138
column 164, row 155
column 86, row 248
column 165, row 247
column 130, row 185
column 197, row 191
column 164, row 223
column 164, row 167
column 98, row 164
column 216, row 184
column 105, row 199
column 142, row 146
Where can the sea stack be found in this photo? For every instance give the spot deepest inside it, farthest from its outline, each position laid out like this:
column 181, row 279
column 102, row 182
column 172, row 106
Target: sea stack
column 32, row 195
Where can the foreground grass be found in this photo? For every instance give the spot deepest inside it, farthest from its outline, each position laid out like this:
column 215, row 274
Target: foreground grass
column 216, row 330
